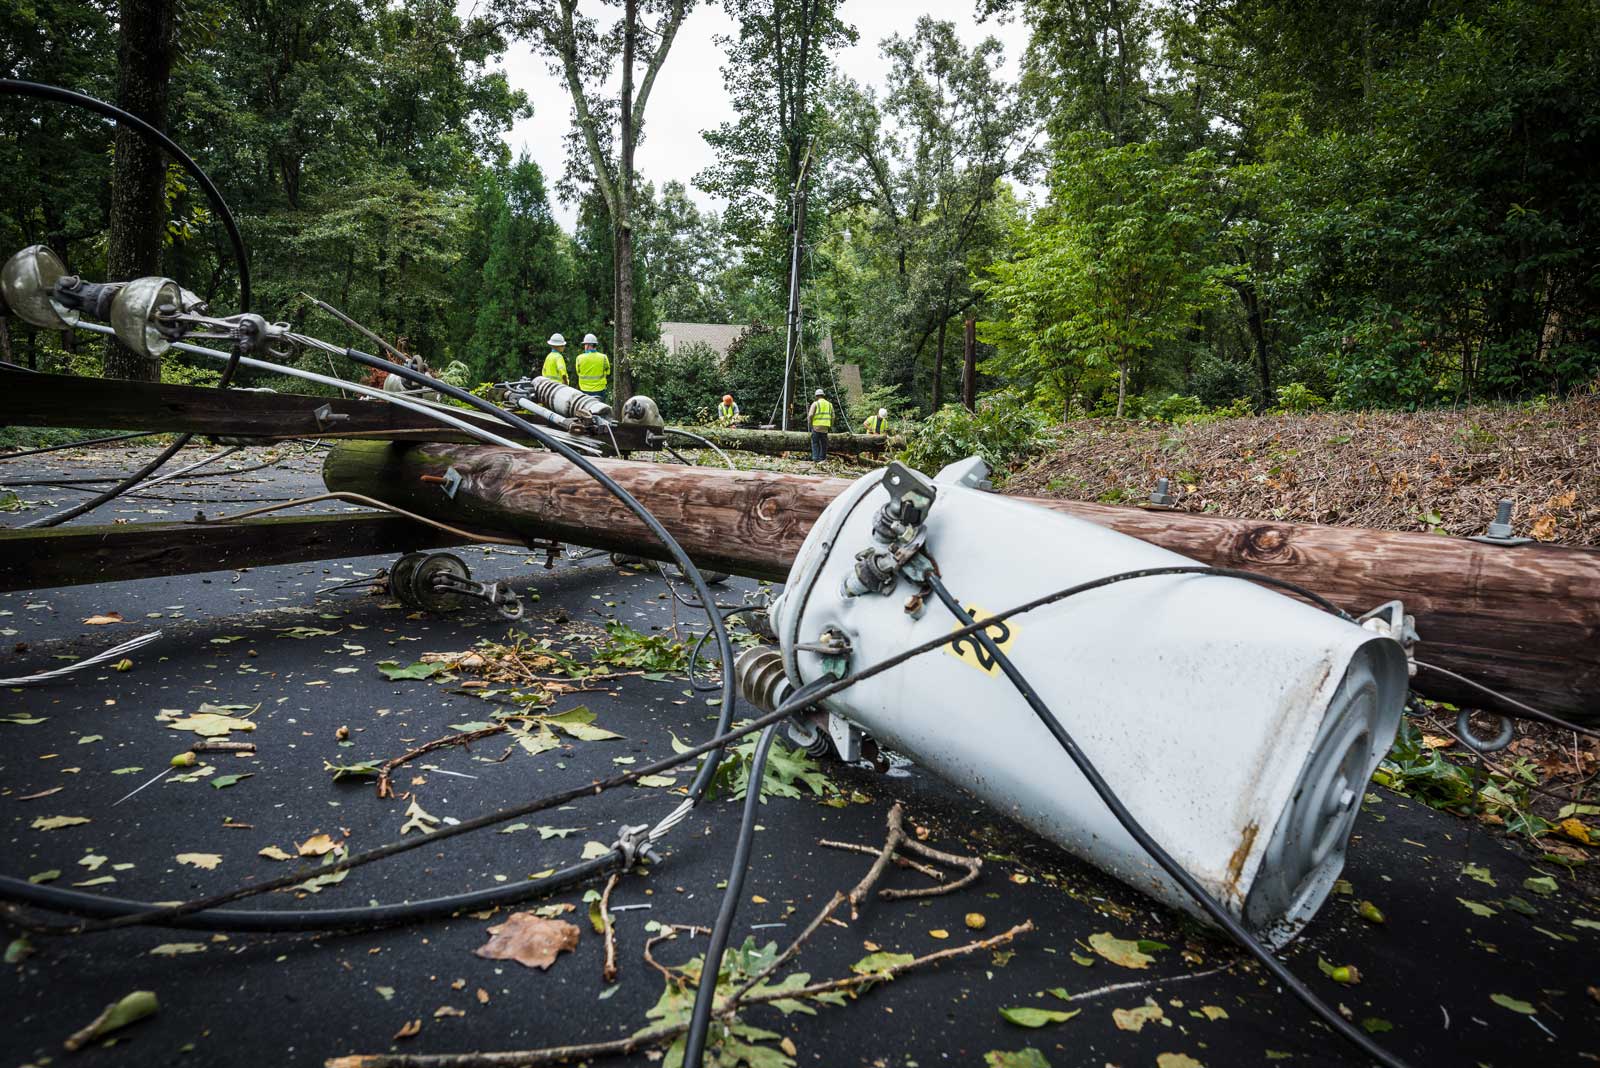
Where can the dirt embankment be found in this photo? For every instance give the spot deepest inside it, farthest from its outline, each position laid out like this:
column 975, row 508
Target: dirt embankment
column 1434, row 470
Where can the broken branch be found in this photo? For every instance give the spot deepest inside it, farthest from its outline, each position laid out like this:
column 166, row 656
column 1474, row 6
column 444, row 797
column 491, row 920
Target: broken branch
column 385, row 788
column 609, row 972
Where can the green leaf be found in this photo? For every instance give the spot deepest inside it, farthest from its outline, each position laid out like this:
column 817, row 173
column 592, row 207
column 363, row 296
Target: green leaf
column 475, row 725
column 579, row 722
column 875, row 963
column 223, row 781
column 1024, row 1016
column 655, row 780
column 1477, row 908
column 365, row 769
column 132, row 1008
column 1375, row 1025
column 1119, row 950
column 1542, row 885
column 393, row 671
column 55, row 873
column 1506, row 1001
column 1021, row 1058
column 1481, row 874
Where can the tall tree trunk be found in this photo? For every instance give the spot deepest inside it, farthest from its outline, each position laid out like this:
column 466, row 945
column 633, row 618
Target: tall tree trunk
column 938, row 367
column 622, row 224
column 1122, row 386
column 1258, row 335
column 147, row 41
column 969, row 363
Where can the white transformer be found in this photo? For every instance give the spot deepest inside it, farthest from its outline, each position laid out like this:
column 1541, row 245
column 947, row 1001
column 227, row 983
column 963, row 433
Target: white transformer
column 1238, row 725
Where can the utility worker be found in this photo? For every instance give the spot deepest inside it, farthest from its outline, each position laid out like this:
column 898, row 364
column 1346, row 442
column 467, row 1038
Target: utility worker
column 555, row 364
column 877, row 424
column 820, row 417
column 727, row 411
column 594, row 367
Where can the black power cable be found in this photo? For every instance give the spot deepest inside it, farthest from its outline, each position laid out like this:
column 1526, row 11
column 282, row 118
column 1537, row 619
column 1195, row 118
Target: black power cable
column 14, row 87
column 1236, row 930
column 705, row 996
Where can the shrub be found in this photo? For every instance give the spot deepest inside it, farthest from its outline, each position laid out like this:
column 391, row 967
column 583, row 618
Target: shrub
column 1003, row 431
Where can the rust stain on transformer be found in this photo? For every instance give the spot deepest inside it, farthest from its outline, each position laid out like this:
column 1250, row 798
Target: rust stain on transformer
column 1236, row 861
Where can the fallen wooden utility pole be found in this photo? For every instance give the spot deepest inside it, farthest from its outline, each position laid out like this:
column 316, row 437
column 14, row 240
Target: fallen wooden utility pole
column 1525, row 620
column 773, row 442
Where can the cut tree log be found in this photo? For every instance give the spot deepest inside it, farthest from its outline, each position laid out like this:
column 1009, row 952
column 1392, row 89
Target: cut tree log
column 1525, row 620
column 773, row 442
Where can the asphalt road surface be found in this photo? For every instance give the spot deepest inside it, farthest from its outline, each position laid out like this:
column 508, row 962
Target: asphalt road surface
column 1443, row 980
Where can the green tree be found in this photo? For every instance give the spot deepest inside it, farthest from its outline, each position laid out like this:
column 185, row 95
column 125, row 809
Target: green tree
column 527, row 290
column 1117, row 264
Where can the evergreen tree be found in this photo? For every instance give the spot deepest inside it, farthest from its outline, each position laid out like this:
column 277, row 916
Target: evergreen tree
column 528, row 289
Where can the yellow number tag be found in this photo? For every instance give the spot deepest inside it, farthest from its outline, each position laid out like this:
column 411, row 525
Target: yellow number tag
column 968, row 649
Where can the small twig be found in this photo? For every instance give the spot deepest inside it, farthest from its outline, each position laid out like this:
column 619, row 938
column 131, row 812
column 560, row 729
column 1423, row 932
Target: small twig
column 669, row 933
column 1145, row 984
column 872, row 851
column 897, row 835
column 974, row 866
column 385, row 789
column 609, row 972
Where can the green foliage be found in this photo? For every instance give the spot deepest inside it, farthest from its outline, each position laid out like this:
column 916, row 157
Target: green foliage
column 787, row 771
column 1296, row 397
column 1002, row 430
column 1417, row 770
column 687, row 384
column 1118, row 264
column 625, row 647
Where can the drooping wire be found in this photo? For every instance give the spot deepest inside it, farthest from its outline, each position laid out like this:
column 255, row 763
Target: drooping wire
column 14, row 87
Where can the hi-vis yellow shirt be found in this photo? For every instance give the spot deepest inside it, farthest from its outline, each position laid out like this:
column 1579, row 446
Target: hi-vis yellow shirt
column 555, row 366
column 822, row 415
column 593, row 369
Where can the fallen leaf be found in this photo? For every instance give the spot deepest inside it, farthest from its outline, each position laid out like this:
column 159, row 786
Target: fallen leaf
column 1376, row 1025
column 55, row 873
column 938, row 933
column 1474, row 871
column 447, row 1010
column 1020, row 1058
column 655, row 780
column 411, row 1029
column 1543, row 885
column 530, row 940
column 1031, row 1017
column 594, row 850
column 1119, row 950
column 394, row 672
column 1577, row 830
column 222, row 781
column 175, row 949
column 58, row 789
column 1477, row 908
column 1177, row 1060
column 107, row 618
column 579, row 722
column 211, row 724
column 272, row 852
column 1135, row 1019
column 1214, row 1012
column 1506, row 1001
column 315, row 846
column 418, row 820
column 875, row 963
column 208, row 861
column 53, row 823
column 1544, row 528
column 385, row 992
column 135, row 1006
column 976, row 921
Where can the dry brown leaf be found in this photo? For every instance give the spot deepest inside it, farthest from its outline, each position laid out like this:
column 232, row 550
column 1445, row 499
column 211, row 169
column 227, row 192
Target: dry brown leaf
column 411, row 1029
column 316, row 845
column 41, row 793
column 1438, row 741
column 483, row 996
column 1544, row 528
column 529, row 940
column 103, row 619
column 1135, row 1019
column 272, row 852
column 447, row 1010
column 206, row 861
column 1563, row 500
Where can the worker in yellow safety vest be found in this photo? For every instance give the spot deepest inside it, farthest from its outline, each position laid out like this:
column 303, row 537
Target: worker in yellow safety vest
column 727, row 411
column 820, row 418
column 555, row 364
column 877, row 424
column 594, row 368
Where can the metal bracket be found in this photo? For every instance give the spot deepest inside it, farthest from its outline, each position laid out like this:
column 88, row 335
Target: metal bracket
column 452, row 482
column 1162, row 495
column 634, row 842
column 326, row 417
column 846, row 738
column 1390, row 620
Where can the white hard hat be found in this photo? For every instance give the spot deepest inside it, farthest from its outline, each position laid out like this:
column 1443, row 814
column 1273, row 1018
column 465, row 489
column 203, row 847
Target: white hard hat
column 556, row 339
column 590, row 339
column 819, row 392
column 883, row 412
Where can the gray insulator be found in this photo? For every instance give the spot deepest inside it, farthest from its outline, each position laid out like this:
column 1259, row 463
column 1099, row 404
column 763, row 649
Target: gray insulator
column 565, row 400
column 760, row 675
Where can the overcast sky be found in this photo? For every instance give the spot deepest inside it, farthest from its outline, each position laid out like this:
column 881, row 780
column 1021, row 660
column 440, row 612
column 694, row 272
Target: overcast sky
column 688, row 96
